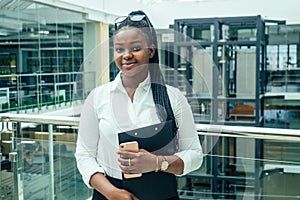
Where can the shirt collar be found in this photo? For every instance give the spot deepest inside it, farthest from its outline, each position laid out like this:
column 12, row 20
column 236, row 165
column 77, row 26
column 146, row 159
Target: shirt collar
column 117, row 83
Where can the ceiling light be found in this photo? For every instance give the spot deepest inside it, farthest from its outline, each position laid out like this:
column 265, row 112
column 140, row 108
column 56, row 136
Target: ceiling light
column 27, row 142
column 6, row 141
column 63, row 127
column 44, row 32
column 46, row 133
column 3, row 34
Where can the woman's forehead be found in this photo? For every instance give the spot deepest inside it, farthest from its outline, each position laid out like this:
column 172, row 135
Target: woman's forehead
column 129, row 32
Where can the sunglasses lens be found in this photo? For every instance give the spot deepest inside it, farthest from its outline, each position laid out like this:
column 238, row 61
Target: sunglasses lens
column 120, row 19
column 137, row 18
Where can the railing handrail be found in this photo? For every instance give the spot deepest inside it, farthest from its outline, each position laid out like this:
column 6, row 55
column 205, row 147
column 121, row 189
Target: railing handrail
column 41, row 119
column 252, row 132
column 203, row 129
column 45, row 74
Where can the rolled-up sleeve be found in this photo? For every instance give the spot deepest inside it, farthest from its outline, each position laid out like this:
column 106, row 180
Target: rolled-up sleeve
column 87, row 142
column 190, row 150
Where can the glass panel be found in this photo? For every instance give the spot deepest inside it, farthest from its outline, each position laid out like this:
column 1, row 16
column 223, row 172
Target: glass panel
column 280, row 113
column 246, row 72
column 202, row 64
column 36, row 174
column 202, row 34
column 281, row 169
column 6, row 175
column 231, row 169
column 232, row 162
column 231, row 32
column 34, row 164
column 283, row 78
column 241, row 32
column 42, row 39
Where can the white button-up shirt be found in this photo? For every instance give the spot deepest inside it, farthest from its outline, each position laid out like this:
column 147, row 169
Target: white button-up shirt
column 108, row 110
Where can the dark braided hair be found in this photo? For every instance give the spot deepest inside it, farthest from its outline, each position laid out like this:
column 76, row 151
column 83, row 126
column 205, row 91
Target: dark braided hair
column 158, row 87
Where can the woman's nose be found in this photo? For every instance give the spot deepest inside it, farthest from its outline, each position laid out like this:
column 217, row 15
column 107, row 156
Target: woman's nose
column 127, row 54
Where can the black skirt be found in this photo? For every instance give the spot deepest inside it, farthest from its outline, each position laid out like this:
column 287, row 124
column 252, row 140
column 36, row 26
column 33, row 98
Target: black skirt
column 117, row 183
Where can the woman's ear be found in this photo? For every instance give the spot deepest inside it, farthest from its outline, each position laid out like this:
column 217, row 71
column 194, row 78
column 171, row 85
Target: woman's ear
column 152, row 50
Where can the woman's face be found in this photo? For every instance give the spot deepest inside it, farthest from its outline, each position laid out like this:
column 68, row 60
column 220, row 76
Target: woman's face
column 132, row 52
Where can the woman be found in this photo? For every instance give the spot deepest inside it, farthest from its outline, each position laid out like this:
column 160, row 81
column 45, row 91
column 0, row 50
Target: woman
column 138, row 97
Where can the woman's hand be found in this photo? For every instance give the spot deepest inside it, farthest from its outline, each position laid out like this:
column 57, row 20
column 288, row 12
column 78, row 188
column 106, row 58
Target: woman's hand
column 101, row 183
column 121, row 194
column 134, row 163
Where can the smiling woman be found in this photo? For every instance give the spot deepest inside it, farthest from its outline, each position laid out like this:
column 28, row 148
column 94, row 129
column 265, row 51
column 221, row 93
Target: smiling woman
column 137, row 99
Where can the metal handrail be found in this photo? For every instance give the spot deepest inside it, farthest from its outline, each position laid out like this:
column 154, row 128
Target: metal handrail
column 43, row 74
column 41, row 119
column 249, row 132
column 203, row 129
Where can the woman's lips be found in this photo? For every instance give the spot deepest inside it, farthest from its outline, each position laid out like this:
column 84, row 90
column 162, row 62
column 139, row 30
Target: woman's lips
column 128, row 65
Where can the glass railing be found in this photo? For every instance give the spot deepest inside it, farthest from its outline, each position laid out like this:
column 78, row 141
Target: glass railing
column 38, row 158
column 245, row 163
column 37, row 161
column 40, row 92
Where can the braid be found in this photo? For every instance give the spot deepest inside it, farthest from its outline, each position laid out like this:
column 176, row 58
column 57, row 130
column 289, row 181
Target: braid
column 161, row 98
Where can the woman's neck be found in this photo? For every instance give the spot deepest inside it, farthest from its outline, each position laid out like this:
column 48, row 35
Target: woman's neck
column 132, row 82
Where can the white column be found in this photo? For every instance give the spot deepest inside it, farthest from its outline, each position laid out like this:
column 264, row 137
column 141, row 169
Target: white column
column 96, row 54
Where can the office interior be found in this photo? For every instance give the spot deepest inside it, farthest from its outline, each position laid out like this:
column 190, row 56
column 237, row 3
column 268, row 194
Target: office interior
column 240, row 73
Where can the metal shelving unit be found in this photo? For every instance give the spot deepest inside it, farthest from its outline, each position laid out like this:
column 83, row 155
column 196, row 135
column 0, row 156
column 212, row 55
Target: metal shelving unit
column 231, row 50
column 223, row 61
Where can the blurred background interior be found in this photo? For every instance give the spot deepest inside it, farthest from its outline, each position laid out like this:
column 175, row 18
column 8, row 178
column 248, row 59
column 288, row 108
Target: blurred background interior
column 237, row 62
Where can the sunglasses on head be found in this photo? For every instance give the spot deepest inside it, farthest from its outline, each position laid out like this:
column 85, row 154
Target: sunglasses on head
column 133, row 18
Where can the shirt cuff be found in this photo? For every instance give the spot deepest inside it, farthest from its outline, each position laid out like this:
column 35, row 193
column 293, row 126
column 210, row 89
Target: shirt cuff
column 88, row 172
column 192, row 160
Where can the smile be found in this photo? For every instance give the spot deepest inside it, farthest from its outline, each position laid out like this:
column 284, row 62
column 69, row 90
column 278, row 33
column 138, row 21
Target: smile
column 127, row 64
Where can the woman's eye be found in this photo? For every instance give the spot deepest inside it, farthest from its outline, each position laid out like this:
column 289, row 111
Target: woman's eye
column 119, row 50
column 136, row 49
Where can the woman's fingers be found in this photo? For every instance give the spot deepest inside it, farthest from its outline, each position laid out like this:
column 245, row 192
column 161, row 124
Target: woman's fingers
column 125, row 162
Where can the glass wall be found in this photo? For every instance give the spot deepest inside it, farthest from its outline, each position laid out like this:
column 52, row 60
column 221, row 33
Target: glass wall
column 41, row 70
column 282, row 107
column 41, row 55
